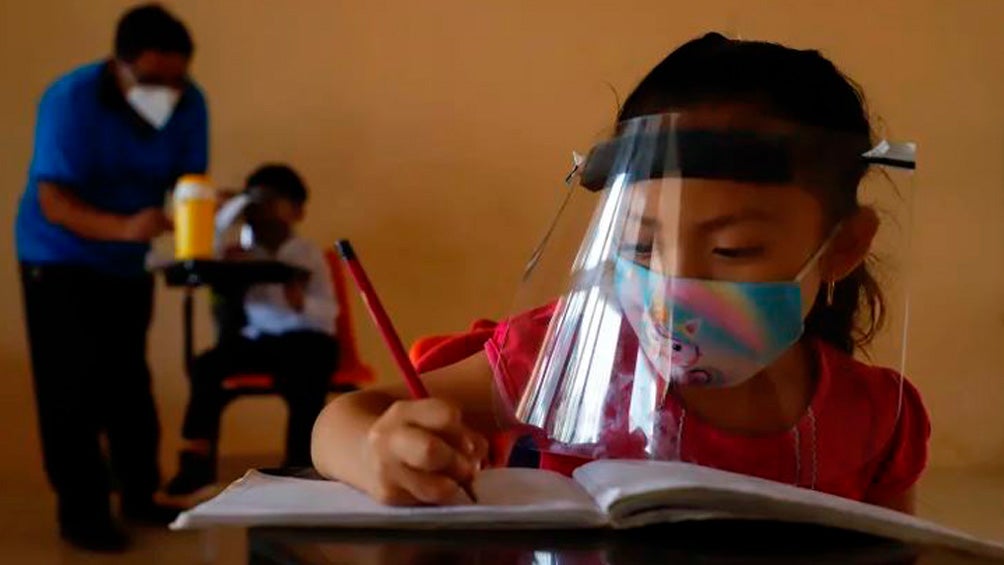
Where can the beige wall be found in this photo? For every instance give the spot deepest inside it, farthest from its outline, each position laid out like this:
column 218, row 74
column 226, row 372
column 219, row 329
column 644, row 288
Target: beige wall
column 435, row 133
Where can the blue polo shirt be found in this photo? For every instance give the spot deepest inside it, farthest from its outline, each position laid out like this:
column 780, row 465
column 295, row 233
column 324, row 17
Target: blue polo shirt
column 88, row 140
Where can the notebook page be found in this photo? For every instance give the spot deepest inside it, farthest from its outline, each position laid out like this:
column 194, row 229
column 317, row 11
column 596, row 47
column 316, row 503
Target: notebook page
column 633, row 493
column 508, row 498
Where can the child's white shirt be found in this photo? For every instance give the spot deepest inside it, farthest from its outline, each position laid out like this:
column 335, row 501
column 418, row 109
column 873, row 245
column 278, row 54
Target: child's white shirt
column 265, row 305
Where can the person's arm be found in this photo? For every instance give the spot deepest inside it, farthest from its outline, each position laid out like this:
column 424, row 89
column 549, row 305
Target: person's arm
column 895, row 483
column 62, row 162
column 402, row 451
column 64, row 208
column 903, row 502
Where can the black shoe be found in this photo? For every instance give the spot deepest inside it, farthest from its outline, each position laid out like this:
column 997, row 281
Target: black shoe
column 148, row 513
column 195, row 471
column 194, row 483
column 102, row 535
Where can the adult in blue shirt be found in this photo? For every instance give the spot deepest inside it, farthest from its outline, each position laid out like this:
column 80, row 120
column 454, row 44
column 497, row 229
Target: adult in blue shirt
column 111, row 138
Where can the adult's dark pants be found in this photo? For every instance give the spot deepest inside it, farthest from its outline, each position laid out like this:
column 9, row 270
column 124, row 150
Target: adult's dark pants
column 88, row 335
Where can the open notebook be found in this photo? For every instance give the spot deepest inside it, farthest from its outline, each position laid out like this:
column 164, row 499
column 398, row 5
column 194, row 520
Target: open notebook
column 610, row 493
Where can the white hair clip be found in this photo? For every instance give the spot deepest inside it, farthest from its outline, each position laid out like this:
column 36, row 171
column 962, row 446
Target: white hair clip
column 577, row 162
column 901, row 155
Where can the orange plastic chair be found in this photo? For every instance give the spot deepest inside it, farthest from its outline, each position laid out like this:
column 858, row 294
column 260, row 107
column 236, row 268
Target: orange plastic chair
column 437, row 351
column 351, row 373
column 351, row 370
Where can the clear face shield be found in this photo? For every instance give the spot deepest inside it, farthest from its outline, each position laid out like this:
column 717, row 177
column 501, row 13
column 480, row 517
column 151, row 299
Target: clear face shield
column 694, row 298
column 256, row 216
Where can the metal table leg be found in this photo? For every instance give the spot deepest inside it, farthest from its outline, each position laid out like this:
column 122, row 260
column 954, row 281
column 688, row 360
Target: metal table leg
column 189, row 327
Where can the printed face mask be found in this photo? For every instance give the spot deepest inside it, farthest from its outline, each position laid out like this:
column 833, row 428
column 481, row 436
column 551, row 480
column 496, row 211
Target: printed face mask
column 713, row 333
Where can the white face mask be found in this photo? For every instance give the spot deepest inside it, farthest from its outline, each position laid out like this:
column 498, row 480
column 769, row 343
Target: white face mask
column 154, row 103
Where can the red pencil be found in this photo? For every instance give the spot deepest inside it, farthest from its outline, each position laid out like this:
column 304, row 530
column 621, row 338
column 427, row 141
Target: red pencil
column 386, row 327
column 382, row 320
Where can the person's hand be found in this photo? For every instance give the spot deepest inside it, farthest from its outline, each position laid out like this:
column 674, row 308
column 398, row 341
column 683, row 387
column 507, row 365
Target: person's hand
column 295, row 292
column 420, row 452
column 235, row 253
column 145, row 225
column 225, row 194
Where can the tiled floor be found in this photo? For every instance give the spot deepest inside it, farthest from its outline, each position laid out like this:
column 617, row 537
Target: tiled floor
column 28, row 533
column 973, row 502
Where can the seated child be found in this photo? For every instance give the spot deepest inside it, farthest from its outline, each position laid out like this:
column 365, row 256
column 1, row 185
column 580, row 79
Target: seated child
column 288, row 334
column 808, row 415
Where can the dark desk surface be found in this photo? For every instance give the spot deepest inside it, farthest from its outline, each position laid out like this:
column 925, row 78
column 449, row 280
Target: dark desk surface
column 230, row 279
column 719, row 542
column 220, row 273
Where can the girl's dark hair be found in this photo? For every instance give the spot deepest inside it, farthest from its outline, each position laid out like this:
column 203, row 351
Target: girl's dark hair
column 799, row 86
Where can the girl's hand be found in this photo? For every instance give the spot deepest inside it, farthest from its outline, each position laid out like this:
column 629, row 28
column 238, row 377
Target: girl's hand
column 420, row 452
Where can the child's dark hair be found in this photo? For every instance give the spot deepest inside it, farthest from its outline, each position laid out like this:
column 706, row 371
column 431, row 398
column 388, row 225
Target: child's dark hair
column 281, row 179
column 151, row 28
column 799, row 86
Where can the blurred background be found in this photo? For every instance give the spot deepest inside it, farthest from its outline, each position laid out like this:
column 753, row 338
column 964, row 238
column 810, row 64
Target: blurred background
column 436, row 135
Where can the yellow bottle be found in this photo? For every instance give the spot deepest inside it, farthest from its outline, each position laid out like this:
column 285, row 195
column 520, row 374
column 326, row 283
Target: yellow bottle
column 194, row 212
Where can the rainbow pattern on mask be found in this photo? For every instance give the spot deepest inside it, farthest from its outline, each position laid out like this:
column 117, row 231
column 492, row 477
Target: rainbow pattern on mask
column 747, row 319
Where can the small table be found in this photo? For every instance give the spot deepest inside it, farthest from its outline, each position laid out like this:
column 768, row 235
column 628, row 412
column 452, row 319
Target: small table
column 720, row 541
column 230, row 278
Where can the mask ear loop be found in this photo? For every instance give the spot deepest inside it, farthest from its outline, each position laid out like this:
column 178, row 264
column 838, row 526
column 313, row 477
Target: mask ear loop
column 899, row 155
column 819, row 253
column 832, row 283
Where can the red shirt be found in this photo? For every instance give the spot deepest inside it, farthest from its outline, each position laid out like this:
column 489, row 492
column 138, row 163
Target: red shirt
column 864, row 436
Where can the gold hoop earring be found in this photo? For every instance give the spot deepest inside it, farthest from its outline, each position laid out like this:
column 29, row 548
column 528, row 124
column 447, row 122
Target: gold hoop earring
column 830, row 288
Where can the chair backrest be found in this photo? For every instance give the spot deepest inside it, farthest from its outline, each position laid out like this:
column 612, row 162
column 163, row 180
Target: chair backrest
column 429, row 353
column 433, row 352
column 351, row 369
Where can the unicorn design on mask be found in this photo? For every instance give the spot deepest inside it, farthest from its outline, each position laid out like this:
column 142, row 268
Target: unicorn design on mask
column 683, row 353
